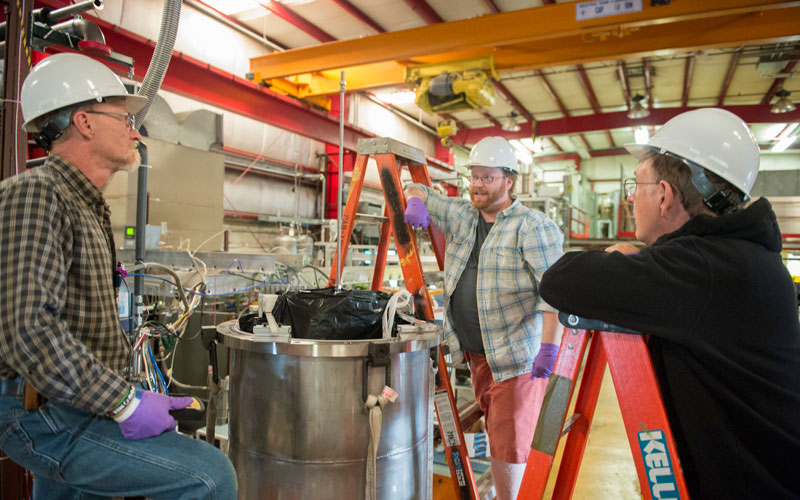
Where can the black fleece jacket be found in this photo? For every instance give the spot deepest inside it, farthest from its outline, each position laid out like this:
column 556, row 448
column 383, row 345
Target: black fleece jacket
column 722, row 313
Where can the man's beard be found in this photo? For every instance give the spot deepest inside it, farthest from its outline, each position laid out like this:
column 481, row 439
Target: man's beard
column 128, row 168
column 137, row 160
column 485, row 202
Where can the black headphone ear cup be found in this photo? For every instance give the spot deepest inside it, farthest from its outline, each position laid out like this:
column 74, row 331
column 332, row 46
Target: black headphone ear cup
column 49, row 133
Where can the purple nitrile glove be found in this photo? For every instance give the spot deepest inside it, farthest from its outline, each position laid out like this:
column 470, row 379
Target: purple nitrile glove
column 544, row 361
column 416, row 214
column 151, row 416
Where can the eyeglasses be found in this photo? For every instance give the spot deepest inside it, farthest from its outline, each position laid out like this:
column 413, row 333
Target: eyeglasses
column 129, row 118
column 630, row 185
column 484, row 179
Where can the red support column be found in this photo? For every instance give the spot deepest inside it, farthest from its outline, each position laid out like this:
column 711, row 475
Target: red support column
column 332, row 177
column 443, row 153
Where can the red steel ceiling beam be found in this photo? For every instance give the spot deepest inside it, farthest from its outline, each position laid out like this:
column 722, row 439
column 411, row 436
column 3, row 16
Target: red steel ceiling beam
column 425, row 11
column 688, row 75
column 778, row 83
column 754, row 113
column 610, row 138
column 513, row 100
column 587, row 89
column 298, row 21
column 586, row 144
column 732, row 65
column 553, row 94
column 555, row 145
column 360, row 15
column 493, row 8
column 490, row 118
column 200, row 81
column 622, row 73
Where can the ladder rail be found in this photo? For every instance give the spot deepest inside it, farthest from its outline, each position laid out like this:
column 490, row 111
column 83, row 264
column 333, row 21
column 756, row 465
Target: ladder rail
column 405, row 241
column 647, row 427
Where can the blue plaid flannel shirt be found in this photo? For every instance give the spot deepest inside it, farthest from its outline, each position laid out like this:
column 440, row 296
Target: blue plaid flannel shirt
column 520, row 247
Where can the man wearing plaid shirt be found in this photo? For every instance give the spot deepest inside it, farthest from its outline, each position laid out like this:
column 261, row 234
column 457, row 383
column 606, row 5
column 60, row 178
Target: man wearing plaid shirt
column 497, row 251
column 98, row 435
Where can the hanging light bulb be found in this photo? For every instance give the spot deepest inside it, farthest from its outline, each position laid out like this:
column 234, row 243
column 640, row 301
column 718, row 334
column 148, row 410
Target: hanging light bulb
column 509, row 123
column 637, row 108
column 783, row 104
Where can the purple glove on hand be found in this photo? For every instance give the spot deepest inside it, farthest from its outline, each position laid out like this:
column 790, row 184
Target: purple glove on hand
column 544, row 361
column 150, row 417
column 416, row 214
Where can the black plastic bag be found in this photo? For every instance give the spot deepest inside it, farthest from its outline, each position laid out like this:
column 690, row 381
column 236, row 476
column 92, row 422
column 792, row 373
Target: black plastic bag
column 330, row 314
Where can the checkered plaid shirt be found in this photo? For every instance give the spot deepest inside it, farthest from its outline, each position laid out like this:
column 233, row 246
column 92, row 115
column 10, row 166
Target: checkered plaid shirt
column 59, row 326
column 521, row 245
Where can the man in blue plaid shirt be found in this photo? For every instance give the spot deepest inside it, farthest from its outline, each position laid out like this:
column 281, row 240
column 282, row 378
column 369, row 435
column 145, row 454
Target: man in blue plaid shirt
column 497, row 251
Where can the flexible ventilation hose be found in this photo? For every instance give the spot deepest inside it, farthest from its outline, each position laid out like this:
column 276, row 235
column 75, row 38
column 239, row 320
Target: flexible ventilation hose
column 161, row 56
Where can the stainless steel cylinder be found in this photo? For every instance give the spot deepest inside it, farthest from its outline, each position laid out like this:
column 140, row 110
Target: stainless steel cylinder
column 298, row 428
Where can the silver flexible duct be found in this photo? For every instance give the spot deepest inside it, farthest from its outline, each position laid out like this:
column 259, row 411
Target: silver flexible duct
column 161, row 56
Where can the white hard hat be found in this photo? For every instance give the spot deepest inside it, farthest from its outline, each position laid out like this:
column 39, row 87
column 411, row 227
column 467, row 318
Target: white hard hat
column 63, row 80
column 712, row 138
column 494, row 152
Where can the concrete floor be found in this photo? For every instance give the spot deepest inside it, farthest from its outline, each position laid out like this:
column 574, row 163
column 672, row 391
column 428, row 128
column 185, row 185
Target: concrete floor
column 607, row 470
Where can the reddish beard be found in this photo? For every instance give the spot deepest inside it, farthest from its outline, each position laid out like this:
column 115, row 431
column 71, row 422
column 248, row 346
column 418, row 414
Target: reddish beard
column 487, row 200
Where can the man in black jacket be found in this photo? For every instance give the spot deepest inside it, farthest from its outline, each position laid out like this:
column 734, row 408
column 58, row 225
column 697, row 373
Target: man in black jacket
column 720, row 307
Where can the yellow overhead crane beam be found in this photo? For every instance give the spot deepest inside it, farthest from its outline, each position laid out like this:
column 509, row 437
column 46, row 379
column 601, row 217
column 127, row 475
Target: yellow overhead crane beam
column 527, row 39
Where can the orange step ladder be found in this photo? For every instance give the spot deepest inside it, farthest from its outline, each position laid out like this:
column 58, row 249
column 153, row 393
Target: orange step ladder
column 646, row 425
column 390, row 156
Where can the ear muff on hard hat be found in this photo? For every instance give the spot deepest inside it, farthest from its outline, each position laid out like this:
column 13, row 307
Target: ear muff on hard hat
column 494, row 152
column 709, row 139
column 62, row 81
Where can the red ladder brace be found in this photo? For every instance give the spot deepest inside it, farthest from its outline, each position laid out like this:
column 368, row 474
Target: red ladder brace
column 649, row 433
column 390, row 156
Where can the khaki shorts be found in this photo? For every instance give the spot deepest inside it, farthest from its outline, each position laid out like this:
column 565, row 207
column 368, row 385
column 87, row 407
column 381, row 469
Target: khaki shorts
column 510, row 409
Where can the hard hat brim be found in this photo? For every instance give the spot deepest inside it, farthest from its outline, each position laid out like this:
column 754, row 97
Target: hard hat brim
column 133, row 104
column 638, row 150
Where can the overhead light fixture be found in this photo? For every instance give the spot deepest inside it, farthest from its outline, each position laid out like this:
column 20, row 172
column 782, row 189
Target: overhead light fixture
column 641, row 135
column 234, row 7
column 509, row 123
column 637, row 108
column 783, row 104
column 397, row 97
column 783, row 144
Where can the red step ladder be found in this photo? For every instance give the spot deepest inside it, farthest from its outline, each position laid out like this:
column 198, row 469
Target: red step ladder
column 646, row 425
column 390, row 156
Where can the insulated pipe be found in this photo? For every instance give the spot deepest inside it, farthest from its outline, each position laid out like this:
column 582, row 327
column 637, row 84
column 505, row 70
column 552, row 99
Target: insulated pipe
column 161, row 56
column 141, row 230
column 340, row 178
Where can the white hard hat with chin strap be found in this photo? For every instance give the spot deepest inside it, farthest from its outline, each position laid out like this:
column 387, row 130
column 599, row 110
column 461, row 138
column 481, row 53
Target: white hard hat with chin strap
column 494, row 152
column 62, row 82
column 711, row 139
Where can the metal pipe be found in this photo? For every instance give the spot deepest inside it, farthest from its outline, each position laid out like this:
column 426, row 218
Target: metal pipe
column 340, row 178
column 141, row 230
column 53, row 16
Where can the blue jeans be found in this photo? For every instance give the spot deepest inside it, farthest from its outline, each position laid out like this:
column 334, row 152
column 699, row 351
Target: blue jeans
column 78, row 455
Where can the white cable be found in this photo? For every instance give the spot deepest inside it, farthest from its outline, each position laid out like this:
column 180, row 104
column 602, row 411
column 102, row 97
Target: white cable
column 375, row 406
column 400, row 299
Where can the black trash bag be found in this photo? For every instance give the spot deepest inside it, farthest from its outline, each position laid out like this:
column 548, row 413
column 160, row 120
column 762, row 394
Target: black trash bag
column 330, row 314
column 249, row 320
